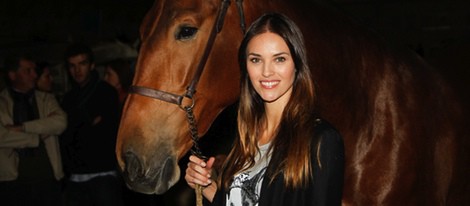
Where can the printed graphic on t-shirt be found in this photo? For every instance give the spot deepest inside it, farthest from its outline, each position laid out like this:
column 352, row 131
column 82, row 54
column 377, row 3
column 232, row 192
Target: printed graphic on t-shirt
column 245, row 188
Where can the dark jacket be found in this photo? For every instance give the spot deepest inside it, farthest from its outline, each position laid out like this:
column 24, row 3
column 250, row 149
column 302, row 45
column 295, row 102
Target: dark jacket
column 89, row 141
column 327, row 185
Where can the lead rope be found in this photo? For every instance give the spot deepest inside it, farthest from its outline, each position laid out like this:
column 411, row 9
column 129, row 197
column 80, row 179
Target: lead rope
column 195, row 150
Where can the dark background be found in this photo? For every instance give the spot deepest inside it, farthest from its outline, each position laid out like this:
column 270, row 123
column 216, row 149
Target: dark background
column 46, row 26
column 439, row 30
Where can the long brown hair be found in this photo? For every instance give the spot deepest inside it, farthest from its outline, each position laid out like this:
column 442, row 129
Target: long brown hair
column 291, row 145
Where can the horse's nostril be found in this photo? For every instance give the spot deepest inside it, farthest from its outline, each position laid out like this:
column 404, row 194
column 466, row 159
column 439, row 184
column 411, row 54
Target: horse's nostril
column 164, row 176
column 168, row 169
column 134, row 167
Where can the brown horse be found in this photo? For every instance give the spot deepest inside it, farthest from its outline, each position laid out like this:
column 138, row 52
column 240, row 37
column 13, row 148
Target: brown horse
column 402, row 124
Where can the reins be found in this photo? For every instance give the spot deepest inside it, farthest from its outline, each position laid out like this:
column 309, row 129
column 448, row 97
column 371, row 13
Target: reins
column 191, row 89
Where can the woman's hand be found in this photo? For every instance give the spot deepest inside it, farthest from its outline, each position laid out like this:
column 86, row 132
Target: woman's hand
column 199, row 172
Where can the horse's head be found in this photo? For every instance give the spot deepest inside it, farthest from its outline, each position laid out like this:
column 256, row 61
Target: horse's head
column 154, row 133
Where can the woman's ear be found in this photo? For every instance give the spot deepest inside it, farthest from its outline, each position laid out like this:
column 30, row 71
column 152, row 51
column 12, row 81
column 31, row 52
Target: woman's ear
column 12, row 75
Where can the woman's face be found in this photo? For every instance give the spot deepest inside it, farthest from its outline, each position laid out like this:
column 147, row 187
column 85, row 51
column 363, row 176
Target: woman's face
column 111, row 77
column 270, row 67
column 44, row 82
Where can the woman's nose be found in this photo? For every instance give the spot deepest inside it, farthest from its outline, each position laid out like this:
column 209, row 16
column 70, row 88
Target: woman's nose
column 267, row 70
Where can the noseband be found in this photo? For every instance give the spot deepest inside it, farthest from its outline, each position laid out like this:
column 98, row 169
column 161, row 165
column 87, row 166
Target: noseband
column 191, row 89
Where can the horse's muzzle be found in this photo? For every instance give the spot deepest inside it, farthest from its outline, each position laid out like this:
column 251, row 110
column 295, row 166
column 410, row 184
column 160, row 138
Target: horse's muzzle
column 150, row 179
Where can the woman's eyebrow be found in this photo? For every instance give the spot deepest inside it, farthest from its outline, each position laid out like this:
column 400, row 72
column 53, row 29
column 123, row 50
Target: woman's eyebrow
column 253, row 54
column 281, row 53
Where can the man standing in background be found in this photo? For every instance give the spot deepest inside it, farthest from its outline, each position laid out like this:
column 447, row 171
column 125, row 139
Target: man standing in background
column 89, row 141
column 30, row 121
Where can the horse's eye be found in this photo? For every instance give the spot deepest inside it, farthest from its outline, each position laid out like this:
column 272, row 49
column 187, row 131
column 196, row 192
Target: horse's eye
column 186, row 33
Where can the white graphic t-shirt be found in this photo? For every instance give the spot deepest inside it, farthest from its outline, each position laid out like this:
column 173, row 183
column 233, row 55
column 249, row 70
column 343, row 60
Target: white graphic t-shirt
column 246, row 186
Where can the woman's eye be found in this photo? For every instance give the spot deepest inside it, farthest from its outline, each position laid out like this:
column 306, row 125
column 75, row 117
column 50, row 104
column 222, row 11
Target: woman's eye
column 280, row 59
column 186, row 33
column 254, row 60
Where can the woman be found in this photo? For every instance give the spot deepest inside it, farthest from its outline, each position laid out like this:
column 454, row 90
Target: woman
column 44, row 81
column 284, row 154
column 118, row 73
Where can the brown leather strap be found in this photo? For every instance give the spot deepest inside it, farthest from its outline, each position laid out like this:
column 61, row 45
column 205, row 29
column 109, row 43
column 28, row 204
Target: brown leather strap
column 157, row 94
column 219, row 22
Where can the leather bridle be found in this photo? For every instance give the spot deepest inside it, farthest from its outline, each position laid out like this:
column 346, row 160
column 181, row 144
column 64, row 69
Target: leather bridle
column 191, row 89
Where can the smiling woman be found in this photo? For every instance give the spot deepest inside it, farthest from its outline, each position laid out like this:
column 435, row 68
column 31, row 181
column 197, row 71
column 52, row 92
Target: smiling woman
column 284, row 153
column 271, row 67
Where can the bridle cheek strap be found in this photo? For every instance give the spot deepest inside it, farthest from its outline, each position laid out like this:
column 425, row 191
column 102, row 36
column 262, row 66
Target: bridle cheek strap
column 157, row 94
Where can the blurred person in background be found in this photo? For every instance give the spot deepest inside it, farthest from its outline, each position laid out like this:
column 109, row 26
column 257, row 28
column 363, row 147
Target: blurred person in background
column 30, row 122
column 119, row 74
column 88, row 143
column 44, row 81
